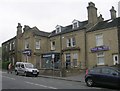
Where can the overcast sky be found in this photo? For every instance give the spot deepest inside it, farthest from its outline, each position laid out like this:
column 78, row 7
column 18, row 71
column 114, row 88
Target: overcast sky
column 46, row 14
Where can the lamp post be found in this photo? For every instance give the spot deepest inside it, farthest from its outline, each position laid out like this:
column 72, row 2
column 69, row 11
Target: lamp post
column 61, row 62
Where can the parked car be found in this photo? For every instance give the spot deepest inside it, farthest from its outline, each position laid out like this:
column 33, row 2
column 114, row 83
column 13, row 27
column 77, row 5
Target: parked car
column 103, row 75
column 26, row 69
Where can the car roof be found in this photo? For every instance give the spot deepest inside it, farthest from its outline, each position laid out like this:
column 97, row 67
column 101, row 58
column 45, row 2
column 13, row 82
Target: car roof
column 112, row 67
column 23, row 63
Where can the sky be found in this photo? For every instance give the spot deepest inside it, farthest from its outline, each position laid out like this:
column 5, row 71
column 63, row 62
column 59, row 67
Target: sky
column 47, row 14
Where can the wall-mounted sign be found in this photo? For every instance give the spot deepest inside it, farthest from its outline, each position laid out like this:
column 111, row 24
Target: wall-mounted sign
column 27, row 52
column 100, row 48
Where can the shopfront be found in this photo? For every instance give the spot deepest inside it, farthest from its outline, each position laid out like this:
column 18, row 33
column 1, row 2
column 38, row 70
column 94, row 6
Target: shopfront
column 51, row 60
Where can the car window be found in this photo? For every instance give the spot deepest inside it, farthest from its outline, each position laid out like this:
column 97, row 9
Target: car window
column 105, row 71
column 113, row 72
column 109, row 71
column 95, row 70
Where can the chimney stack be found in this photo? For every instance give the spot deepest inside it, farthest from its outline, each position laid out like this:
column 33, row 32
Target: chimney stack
column 92, row 14
column 100, row 18
column 113, row 13
column 19, row 29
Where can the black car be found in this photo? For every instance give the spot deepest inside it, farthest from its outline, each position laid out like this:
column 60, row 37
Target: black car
column 103, row 75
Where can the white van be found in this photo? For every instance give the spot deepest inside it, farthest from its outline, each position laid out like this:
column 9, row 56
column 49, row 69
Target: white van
column 26, row 69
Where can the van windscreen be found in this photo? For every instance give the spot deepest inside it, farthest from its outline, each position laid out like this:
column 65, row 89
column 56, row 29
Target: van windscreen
column 28, row 65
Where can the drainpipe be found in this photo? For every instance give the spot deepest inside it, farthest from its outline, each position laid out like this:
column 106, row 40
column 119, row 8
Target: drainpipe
column 86, row 62
column 118, row 30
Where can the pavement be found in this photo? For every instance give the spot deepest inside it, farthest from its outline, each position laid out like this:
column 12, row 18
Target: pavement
column 76, row 78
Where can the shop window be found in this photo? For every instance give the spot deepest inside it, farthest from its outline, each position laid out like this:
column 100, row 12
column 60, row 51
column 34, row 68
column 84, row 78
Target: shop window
column 75, row 60
column 68, row 62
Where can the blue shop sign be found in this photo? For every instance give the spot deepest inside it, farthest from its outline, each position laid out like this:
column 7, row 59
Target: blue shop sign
column 100, row 48
column 27, row 52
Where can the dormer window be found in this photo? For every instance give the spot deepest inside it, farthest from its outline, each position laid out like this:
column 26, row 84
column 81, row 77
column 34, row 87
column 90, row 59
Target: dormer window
column 58, row 28
column 75, row 24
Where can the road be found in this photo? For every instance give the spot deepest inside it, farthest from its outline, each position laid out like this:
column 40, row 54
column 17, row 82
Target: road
column 11, row 81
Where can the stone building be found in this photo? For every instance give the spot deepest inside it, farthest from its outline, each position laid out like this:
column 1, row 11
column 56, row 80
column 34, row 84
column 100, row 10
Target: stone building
column 83, row 44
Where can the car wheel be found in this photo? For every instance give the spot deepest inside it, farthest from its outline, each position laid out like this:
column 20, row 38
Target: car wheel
column 89, row 82
column 16, row 72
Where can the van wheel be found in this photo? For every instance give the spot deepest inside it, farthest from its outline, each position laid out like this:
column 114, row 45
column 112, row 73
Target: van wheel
column 25, row 74
column 16, row 72
column 36, row 75
column 89, row 82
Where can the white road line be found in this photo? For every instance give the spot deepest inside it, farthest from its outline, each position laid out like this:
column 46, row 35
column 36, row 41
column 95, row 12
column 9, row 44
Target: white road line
column 9, row 77
column 41, row 85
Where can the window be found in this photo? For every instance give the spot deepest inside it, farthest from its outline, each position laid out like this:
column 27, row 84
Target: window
column 37, row 44
column 53, row 45
column 26, row 44
column 6, row 47
column 100, row 57
column 75, row 24
column 71, row 42
column 68, row 58
column 10, row 46
column 99, row 40
column 13, row 44
column 68, row 42
column 75, row 59
column 58, row 28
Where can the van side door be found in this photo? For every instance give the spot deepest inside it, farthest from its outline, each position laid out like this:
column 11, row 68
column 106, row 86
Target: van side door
column 22, row 68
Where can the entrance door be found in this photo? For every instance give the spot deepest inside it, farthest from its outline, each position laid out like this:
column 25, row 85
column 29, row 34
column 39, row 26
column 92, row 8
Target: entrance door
column 115, row 59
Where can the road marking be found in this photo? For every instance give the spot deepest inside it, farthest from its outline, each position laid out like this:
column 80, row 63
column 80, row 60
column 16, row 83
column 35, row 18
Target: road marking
column 9, row 77
column 41, row 85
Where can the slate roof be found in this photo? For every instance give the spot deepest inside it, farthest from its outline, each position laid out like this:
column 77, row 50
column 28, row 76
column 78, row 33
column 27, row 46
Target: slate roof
column 36, row 31
column 106, row 24
column 69, row 28
column 9, row 40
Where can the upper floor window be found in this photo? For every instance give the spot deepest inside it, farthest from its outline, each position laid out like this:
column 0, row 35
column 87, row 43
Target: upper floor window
column 68, row 42
column 13, row 44
column 99, row 39
column 37, row 44
column 10, row 46
column 75, row 24
column 58, row 28
column 6, row 47
column 26, row 44
column 71, row 42
column 52, row 45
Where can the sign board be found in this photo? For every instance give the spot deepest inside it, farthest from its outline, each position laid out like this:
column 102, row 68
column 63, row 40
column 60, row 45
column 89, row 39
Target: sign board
column 100, row 48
